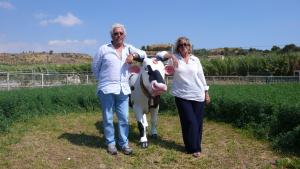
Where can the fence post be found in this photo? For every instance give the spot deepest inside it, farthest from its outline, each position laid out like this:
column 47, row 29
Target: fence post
column 7, row 80
column 42, row 80
column 167, row 80
column 67, row 81
column 87, row 79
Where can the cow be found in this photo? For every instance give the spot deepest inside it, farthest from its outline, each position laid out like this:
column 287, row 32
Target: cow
column 147, row 83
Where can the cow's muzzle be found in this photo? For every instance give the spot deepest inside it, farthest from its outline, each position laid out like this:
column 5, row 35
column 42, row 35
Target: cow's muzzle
column 158, row 88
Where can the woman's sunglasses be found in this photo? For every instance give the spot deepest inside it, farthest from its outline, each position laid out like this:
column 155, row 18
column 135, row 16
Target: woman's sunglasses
column 183, row 44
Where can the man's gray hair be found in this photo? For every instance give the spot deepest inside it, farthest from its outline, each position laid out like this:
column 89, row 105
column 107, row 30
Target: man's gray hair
column 117, row 25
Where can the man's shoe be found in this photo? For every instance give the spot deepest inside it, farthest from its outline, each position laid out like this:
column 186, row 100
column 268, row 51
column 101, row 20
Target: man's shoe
column 127, row 150
column 111, row 149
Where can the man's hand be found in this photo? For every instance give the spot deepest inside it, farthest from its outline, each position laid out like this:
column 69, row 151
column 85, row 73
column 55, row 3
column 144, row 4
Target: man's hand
column 129, row 59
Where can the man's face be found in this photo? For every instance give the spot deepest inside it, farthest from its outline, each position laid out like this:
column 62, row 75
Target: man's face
column 118, row 35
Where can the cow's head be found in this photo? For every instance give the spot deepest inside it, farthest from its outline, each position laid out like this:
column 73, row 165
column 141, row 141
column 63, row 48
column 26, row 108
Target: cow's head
column 153, row 76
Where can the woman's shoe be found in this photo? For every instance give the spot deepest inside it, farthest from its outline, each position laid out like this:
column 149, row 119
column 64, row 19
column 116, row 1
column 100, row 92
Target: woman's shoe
column 196, row 154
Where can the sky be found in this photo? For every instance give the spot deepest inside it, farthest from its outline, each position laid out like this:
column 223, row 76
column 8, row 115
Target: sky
column 81, row 26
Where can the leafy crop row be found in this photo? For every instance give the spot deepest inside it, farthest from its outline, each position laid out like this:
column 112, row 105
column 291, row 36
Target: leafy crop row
column 23, row 104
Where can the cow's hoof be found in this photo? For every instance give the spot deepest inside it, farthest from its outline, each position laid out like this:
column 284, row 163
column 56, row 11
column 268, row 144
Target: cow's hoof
column 144, row 144
column 154, row 136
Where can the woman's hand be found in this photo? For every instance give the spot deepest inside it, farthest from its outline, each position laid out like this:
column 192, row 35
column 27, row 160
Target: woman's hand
column 173, row 58
column 175, row 61
column 207, row 98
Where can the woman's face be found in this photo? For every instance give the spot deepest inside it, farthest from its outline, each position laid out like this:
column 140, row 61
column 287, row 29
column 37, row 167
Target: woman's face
column 184, row 47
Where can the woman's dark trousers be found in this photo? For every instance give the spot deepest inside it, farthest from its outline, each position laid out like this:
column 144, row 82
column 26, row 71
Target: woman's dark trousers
column 191, row 115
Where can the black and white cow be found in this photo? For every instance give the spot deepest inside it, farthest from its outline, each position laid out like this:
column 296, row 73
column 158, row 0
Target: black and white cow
column 147, row 83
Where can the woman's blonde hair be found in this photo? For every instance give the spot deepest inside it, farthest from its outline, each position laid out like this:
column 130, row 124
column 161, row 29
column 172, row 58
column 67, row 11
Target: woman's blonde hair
column 182, row 38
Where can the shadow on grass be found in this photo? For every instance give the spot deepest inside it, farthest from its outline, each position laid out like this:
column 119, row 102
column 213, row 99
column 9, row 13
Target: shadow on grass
column 167, row 144
column 93, row 141
column 134, row 137
column 83, row 139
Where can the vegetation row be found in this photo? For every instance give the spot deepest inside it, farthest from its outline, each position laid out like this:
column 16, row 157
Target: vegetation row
column 272, row 64
column 23, row 104
column 270, row 112
column 277, row 64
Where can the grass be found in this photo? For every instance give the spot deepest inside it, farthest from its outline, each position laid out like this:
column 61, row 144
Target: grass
column 76, row 141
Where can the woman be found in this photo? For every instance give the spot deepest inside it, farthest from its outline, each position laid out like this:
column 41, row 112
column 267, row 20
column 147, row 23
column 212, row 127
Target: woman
column 191, row 93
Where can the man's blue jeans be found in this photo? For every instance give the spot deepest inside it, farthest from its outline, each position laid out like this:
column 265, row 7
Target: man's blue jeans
column 118, row 103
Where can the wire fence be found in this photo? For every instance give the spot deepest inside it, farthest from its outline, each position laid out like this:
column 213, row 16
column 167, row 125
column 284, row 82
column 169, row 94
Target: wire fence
column 14, row 80
column 227, row 80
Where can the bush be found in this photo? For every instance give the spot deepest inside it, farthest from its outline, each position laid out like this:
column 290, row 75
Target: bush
column 287, row 118
column 269, row 111
column 23, row 104
column 288, row 141
column 167, row 103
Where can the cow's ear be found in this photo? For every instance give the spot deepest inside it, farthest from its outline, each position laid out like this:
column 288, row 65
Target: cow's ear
column 139, row 59
column 134, row 69
column 169, row 70
column 161, row 59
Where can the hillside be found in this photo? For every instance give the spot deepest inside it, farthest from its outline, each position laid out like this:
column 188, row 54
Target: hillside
column 44, row 58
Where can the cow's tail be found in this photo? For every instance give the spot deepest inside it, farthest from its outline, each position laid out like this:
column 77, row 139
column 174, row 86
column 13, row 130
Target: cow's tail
column 130, row 101
column 131, row 88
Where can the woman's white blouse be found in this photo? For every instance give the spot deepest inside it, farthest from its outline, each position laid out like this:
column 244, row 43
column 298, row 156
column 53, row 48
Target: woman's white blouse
column 188, row 80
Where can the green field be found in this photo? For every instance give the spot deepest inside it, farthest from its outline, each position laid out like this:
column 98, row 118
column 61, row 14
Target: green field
column 60, row 127
column 275, row 94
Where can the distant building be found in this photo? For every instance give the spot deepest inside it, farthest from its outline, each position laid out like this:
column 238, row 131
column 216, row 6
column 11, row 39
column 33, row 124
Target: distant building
column 215, row 57
column 297, row 73
column 151, row 50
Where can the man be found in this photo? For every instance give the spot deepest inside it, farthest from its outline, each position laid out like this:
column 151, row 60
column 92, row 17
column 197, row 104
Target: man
column 110, row 67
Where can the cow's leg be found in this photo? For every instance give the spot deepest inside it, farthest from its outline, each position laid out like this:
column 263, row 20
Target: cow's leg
column 154, row 113
column 142, row 125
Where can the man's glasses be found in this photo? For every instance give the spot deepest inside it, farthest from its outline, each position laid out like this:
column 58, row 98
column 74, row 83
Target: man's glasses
column 183, row 44
column 118, row 33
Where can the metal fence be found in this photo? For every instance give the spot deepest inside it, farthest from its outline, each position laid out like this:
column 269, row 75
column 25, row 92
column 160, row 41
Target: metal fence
column 251, row 79
column 13, row 80
column 247, row 79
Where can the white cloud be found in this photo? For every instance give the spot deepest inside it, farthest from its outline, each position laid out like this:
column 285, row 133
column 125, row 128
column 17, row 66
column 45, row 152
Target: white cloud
column 88, row 46
column 87, row 42
column 12, row 47
column 40, row 15
column 90, row 42
column 6, row 5
column 67, row 20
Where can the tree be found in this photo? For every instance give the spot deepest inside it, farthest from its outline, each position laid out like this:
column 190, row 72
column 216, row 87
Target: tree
column 275, row 48
column 289, row 48
column 143, row 48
